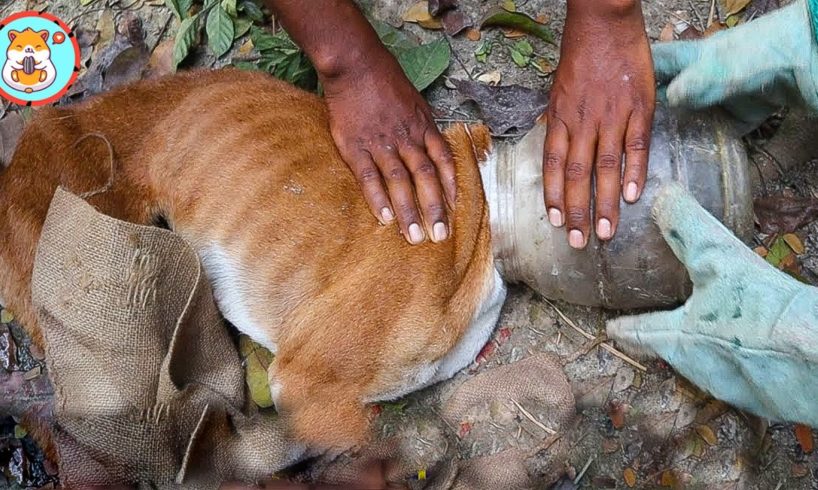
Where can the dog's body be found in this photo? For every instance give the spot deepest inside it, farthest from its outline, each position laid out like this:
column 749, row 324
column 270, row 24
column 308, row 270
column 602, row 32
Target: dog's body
column 243, row 167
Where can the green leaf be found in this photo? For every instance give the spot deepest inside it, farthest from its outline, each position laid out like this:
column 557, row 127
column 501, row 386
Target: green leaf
column 246, row 65
column 185, row 38
column 241, row 26
column 483, row 50
column 219, row 31
column 524, row 48
column 778, row 252
column 264, row 41
column 174, row 7
column 257, row 360
column 252, row 10
column 20, row 431
column 500, row 17
column 426, row 62
column 229, row 6
column 395, row 40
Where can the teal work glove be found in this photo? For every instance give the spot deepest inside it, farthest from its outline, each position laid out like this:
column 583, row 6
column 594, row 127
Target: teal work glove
column 749, row 332
column 751, row 70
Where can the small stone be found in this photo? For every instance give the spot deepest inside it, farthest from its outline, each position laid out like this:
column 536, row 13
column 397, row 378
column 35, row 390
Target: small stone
column 32, row 373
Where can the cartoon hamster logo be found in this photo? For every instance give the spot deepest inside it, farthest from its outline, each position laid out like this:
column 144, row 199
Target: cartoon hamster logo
column 39, row 65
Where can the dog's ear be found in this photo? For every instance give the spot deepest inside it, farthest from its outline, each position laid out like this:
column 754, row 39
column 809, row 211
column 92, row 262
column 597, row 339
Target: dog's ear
column 473, row 140
column 44, row 35
column 13, row 34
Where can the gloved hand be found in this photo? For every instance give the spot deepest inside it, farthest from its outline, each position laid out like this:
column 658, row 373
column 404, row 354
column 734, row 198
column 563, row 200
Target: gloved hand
column 748, row 332
column 752, row 70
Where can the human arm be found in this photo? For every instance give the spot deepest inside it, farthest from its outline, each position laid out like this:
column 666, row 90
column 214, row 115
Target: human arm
column 382, row 126
column 601, row 107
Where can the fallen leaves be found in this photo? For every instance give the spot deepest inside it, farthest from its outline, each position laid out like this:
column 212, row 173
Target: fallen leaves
column 419, row 14
column 803, row 434
column 501, row 17
column 256, row 360
column 784, row 214
column 219, row 28
column 616, row 412
column 707, row 434
column 438, row 14
column 732, row 7
column 629, row 475
column 504, row 108
column 425, row 63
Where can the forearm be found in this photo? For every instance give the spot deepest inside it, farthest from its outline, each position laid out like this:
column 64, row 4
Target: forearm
column 334, row 34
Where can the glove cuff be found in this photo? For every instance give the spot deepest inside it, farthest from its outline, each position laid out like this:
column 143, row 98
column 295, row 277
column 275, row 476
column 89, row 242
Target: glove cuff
column 812, row 12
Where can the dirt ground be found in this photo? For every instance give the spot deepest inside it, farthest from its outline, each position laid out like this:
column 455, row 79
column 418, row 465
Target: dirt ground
column 652, row 423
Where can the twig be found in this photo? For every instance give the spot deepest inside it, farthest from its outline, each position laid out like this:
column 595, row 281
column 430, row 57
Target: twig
column 584, row 469
column 712, row 15
column 532, row 419
column 698, row 16
column 604, row 345
column 457, row 58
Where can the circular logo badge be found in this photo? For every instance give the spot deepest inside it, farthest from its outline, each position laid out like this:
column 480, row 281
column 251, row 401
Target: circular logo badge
column 40, row 57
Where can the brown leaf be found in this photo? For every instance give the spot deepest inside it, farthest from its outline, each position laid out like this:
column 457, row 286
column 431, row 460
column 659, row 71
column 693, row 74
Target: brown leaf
column 804, row 436
column 507, row 107
column 730, row 7
column 610, row 445
column 509, row 33
column 668, row 479
column 714, row 28
column 630, row 477
column 667, row 33
column 794, row 243
column 706, row 433
column 437, row 7
column 616, row 412
column 712, row 410
column 761, row 250
column 690, row 34
column 455, row 21
column 799, row 470
column 161, row 60
column 419, row 14
column 783, row 214
column 473, row 34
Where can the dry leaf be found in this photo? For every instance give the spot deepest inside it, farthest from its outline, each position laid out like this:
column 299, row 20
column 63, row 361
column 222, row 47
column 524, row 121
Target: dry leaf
column 616, row 412
column 761, row 250
column 668, row 479
column 706, row 433
column 794, row 242
column 161, row 61
column 509, row 5
column 782, row 214
column 455, row 21
column 512, row 33
column 690, row 34
column 419, row 14
column 473, row 34
column 246, row 48
column 714, row 28
column 799, row 470
column 491, row 78
column 610, row 445
column 667, row 33
column 712, row 410
column 804, row 436
column 630, row 477
column 731, row 7
column 504, row 108
column 6, row 316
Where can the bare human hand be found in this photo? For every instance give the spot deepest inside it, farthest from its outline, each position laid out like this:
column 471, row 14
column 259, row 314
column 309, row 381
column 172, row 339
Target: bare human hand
column 386, row 133
column 601, row 106
column 382, row 126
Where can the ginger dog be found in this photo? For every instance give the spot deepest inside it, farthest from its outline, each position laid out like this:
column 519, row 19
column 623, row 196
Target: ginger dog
column 243, row 167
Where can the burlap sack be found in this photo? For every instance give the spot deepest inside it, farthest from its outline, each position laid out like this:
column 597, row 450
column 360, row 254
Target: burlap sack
column 149, row 387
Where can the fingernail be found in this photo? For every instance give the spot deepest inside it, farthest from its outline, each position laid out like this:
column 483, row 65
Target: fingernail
column 415, row 234
column 631, row 192
column 575, row 239
column 603, row 229
column 555, row 217
column 387, row 215
column 439, row 232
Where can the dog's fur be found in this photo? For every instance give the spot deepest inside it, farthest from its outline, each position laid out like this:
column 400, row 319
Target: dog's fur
column 244, row 168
